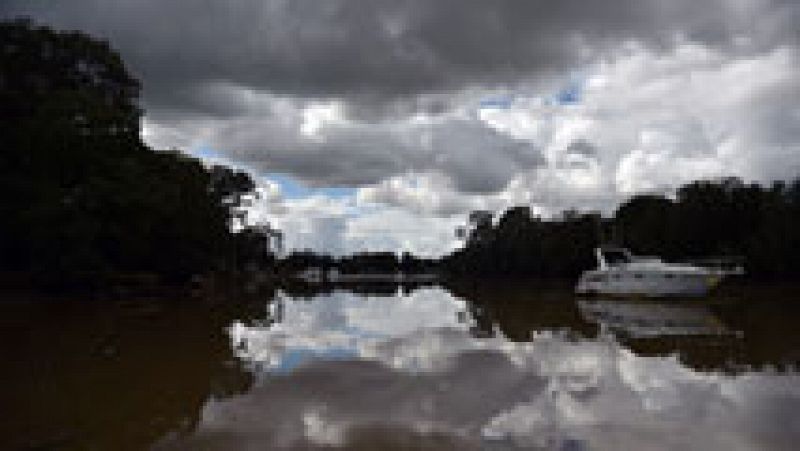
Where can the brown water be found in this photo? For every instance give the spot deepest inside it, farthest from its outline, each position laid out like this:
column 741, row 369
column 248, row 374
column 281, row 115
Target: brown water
column 484, row 367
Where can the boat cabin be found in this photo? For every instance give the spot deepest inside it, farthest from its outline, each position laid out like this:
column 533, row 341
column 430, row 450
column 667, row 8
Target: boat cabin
column 613, row 256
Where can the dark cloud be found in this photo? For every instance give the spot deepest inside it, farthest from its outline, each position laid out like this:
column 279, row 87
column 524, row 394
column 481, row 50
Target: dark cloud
column 582, row 148
column 375, row 51
column 479, row 159
column 475, row 157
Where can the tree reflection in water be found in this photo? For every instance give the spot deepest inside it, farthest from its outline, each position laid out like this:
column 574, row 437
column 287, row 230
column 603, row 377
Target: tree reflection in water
column 113, row 374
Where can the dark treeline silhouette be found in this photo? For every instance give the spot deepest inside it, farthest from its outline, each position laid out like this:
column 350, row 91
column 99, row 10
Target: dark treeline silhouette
column 378, row 288
column 385, row 262
column 520, row 244
column 81, row 195
column 358, row 263
column 719, row 218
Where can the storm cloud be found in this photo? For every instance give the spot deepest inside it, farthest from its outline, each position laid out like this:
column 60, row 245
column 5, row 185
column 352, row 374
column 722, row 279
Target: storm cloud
column 439, row 107
column 389, row 49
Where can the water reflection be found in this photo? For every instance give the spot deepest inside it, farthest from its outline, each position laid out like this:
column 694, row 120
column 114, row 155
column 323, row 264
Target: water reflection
column 112, row 374
column 505, row 368
column 469, row 367
column 341, row 325
column 651, row 318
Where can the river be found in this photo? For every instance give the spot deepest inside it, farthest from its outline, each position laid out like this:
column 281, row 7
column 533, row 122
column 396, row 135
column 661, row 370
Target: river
column 484, row 366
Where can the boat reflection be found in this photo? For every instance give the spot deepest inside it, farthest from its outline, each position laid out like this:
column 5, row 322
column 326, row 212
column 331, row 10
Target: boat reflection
column 651, row 319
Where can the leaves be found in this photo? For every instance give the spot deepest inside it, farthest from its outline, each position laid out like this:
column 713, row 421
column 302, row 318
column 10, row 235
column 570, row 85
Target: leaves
column 80, row 191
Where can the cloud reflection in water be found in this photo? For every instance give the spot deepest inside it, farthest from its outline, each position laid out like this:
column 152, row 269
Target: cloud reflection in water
column 375, row 372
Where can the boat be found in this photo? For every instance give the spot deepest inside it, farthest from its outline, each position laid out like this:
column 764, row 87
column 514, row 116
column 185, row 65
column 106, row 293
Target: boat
column 620, row 273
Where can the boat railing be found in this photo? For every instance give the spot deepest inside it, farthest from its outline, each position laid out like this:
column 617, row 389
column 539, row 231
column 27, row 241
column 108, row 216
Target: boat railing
column 645, row 259
column 724, row 265
column 729, row 265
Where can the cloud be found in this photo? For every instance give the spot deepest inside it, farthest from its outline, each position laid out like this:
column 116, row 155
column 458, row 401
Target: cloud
column 436, row 108
column 652, row 120
column 316, row 222
column 647, row 121
column 379, row 50
column 313, row 142
column 398, row 229
column 425, row 194
column 350, row 223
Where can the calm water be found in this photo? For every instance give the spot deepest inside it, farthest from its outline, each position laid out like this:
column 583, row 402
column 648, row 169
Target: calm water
column 482, row 367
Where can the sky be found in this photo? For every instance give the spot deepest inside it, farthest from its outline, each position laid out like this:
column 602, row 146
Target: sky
column 379, row 124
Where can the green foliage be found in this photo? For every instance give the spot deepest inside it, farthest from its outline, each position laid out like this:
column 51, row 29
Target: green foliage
column 80, row 194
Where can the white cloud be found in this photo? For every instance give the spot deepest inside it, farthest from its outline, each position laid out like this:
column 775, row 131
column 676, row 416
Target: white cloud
column 424, row 194
column 643, row 120
column 656, row 120
column 398, row 229
column 351, row 223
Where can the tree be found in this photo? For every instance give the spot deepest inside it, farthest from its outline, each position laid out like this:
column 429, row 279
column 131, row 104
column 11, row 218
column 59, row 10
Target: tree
column 644, row 223
column 708, row 218
column 80, row 194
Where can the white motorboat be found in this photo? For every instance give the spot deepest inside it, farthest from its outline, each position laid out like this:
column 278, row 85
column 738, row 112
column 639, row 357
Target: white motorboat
column 621, row 273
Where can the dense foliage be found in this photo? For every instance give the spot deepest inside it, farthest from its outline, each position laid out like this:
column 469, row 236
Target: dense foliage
column 722, row 218
column 521, row 244
column 358, row 263
column 80, row 193
column 719, row 218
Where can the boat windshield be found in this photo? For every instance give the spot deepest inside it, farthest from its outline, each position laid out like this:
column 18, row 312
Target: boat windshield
column 615, row 256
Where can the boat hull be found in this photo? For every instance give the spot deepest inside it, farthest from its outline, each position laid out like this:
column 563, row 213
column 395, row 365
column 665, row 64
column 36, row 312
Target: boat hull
column 646, row 283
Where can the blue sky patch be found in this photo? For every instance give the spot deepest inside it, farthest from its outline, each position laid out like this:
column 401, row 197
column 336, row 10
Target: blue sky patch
column 204, row 152
column 570, row 94
column 293, row 188
column 295, row 357
column 500, row 103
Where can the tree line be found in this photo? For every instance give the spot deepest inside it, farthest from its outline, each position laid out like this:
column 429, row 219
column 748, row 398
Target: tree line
column 760, row 225
column 81, row 195
column 357, row 263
